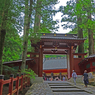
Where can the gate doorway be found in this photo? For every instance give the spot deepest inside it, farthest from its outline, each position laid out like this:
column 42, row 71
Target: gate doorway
column 55, row 65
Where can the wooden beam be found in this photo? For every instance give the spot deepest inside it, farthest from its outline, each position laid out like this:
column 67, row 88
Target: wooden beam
column 32, row 52
column 54, row 53
column 56, row 48
column 79, row 53
column 77, row 41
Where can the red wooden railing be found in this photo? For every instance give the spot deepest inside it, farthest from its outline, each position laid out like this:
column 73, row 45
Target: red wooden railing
column 24, row 81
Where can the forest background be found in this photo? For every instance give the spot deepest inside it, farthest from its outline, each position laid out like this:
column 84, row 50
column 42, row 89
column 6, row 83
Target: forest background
column 34, row 17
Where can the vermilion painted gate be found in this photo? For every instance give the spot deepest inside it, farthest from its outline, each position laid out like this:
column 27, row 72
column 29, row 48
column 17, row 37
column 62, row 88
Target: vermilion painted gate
column 52, row 43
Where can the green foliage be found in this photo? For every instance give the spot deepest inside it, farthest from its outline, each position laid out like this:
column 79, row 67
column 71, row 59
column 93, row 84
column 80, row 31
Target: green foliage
column 10, row 14
column 12, row 47
column 72, row 9
column 47, row 13
column 29, row 73
column 44, row 30
column 79, row 9
column 8, row 70
column 11, row 21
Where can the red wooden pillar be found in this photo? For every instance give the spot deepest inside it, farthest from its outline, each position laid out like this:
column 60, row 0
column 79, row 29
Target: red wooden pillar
column 82, row 57
column 1, row 83
column 40, row 68
column 17, row 84
column 11, row 84
column 68, row 66
column 21, row 82
column 71, row 60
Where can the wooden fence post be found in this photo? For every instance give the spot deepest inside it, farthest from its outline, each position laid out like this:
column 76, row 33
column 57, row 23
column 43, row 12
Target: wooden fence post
column 1, row 83
column 17, row 84
column 21, row 82
column 11, row 84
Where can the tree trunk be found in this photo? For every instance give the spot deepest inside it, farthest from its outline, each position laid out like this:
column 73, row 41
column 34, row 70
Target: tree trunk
column 90, row 38
column 4, row 16
column 93, row 46
column 26, row 32
column 37, row 17
column 2, row 38
column 90, row 33
column 80, row 35
column 80, row 31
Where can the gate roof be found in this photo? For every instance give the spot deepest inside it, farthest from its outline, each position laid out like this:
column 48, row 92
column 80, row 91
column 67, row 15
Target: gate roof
column 53, row 43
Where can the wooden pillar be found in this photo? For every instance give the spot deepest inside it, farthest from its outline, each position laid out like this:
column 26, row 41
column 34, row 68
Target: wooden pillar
column 21, row 82
column 11, row 84
column 71, row 60
column 68, row 66
column 1, row 83
column 40, row 68
column 82, row 56
column 17, row 85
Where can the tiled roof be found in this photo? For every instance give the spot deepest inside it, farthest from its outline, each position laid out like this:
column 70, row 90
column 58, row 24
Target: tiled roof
column 60, row 36
column 55, row 64
column 91, row 56
column 87, row 58
column 17, row 61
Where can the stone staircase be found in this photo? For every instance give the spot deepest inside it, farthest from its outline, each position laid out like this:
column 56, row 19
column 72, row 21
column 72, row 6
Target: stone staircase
column 65, row 88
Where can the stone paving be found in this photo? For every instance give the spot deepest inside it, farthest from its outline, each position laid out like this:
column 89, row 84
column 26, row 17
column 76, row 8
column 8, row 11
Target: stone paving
column 89, row 88
column 39, row 89
column 59, row 88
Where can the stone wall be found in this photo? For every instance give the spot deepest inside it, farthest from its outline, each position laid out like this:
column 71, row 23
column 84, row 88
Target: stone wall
column 37, row 80
column 78, row 79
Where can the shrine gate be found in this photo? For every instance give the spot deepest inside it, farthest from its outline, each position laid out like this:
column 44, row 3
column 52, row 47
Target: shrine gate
column 64, row 44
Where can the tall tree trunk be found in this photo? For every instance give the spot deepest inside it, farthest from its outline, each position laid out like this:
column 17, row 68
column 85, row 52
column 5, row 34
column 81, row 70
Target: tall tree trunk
column 2, row 38
column 90, row 33
column 26, row 32
column 93, row 46
column 37, row 17
column 90, row 38
column 3, row 32
column 80, row 31
column 80, row 35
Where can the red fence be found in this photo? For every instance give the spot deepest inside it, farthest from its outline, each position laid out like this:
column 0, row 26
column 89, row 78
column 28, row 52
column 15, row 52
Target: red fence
column 21, row 82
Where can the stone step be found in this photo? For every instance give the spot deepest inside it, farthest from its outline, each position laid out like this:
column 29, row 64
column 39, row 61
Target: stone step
column 54, row 82
column 59, row 85
column 62, row 87
column 71, row 93
column 67, row 90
